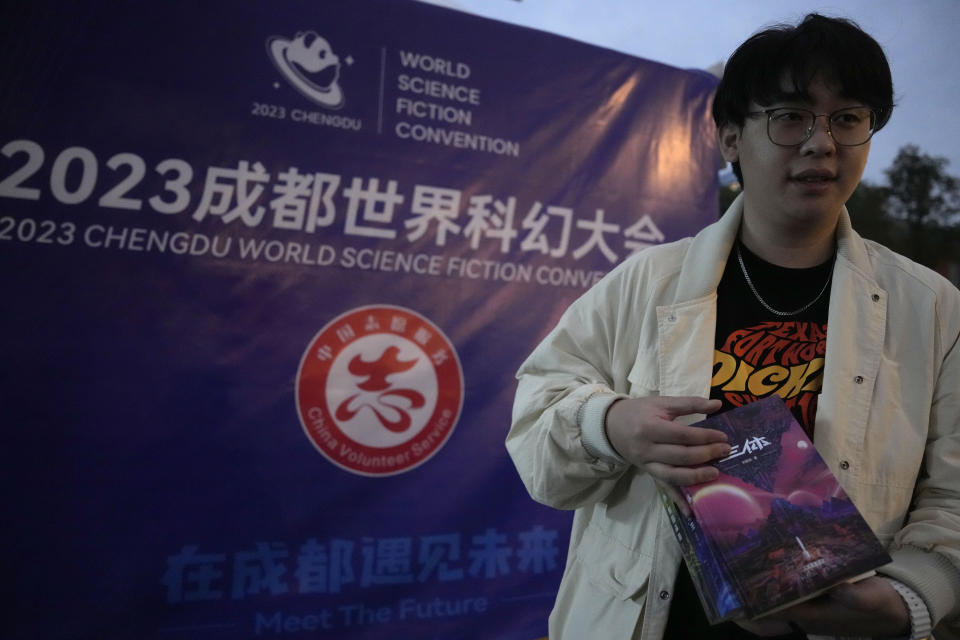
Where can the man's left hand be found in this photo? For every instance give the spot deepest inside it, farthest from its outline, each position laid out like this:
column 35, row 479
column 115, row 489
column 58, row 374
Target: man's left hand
column 870, row 607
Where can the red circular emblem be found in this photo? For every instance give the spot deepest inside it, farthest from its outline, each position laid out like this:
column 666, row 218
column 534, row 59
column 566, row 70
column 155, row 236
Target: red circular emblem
column 379, row 390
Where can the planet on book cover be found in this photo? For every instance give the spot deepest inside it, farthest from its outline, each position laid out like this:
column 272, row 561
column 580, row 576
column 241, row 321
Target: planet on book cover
column 776, row 516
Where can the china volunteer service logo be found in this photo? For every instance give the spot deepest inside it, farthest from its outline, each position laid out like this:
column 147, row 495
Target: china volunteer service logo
column 311, row 67
column 379, row 390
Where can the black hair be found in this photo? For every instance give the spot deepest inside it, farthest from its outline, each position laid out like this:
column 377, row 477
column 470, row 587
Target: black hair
column 835, row 49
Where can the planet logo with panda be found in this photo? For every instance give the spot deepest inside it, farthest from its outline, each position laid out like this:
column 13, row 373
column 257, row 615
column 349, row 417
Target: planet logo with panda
column 308, row 63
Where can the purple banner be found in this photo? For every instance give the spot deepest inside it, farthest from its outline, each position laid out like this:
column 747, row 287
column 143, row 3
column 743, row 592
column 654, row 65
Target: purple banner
column 268, row 272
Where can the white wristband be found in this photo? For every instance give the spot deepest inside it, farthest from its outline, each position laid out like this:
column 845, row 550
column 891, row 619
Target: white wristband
column 920, row 626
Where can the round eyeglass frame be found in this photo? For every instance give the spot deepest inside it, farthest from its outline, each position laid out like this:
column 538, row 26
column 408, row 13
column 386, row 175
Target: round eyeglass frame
column 809, row 132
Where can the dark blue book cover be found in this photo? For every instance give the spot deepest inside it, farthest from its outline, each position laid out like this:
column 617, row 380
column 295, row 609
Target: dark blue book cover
column 776, row 519
column 717, row 594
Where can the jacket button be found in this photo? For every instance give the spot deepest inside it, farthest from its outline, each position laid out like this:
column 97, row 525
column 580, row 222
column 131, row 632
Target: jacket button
column 875, row 298
column 858, row 379
column 844, row 465
column 664, row 594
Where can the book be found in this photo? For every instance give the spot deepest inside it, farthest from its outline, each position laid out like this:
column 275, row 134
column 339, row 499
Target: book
column 775, row 527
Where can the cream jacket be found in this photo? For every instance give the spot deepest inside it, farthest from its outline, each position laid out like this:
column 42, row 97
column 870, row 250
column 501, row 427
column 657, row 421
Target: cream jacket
column 888, row 421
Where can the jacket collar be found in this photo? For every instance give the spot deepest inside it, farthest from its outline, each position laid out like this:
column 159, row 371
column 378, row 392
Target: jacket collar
column 707, row 256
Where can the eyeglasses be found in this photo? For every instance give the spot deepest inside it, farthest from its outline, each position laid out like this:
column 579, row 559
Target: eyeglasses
column 792, row 126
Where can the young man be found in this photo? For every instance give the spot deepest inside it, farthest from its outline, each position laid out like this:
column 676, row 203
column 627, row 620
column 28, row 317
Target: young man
column 780, row 296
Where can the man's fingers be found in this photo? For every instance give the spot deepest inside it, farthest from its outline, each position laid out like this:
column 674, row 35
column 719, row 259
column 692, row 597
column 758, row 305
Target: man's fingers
column 678, row 445
column 685, row 405
column 686, row 456
column 682, row 476
column 669, row 432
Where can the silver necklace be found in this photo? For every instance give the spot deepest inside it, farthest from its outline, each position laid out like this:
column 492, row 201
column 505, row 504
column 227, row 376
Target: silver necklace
column 746, row 276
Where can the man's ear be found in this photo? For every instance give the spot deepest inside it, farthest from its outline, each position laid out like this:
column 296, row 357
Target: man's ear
column 729, row 137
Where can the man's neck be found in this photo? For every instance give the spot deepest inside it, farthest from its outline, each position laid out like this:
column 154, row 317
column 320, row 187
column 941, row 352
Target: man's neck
column 789, row 248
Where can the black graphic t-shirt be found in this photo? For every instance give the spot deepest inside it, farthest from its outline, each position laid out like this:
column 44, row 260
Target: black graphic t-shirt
column 759, row 353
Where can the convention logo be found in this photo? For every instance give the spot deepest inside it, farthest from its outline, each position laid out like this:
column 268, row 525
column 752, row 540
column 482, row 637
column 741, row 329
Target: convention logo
column 311, row 67
column 379, row 390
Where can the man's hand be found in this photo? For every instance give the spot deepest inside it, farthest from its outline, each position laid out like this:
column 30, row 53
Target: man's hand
column 870, row 607
column 643, row 431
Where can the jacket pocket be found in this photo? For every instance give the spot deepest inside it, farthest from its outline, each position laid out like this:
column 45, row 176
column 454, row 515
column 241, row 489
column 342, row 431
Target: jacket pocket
column 612, row 567
column 619, row 544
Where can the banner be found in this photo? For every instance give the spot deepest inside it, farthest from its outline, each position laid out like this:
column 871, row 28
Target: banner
column 268, row 270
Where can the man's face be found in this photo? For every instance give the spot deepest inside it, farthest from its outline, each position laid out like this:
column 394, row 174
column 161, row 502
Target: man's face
column 801, row 188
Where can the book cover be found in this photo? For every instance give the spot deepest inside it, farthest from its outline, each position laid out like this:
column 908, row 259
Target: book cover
column 775, row 527
column 716, row 592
